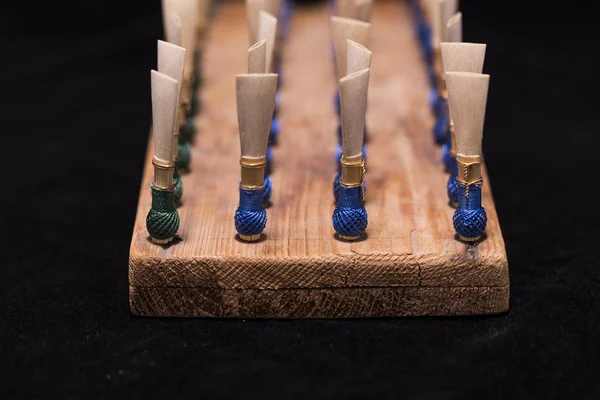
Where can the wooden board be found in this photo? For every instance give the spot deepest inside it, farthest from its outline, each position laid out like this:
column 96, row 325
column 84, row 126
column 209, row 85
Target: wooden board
column 410, row 262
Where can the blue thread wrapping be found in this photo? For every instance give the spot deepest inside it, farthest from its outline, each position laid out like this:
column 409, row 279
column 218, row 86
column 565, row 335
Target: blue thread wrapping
column 428, row 57
column 267, row 189
column 277, row 100
column 279, row 71
column 269, row 157
column 250, row 217
column 350, row 216
column 441, row 107
column 434, row 96
column 275, row 126
column 424, row 35
column 447, row 156
column 274, row 132
column 441, row 129
column 469, row 218
column 422, row 29
column 336, row 180
column 286, row 14
column 452, row 186
column 432, row 99
column 336, row 187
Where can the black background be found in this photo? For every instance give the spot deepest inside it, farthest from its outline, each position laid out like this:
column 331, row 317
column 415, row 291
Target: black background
column 76, row 72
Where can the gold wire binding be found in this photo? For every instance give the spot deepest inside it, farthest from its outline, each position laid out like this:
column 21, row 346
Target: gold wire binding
column 163, row 175
column 353, row 171
column 465, row 176
column 469, row 171
column 362, row 187
column 253, row 172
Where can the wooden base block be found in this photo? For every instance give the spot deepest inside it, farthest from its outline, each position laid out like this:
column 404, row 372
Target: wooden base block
column 408, row 263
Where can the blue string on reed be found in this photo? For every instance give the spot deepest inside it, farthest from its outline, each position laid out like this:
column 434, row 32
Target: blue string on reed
column 267, row 190
column 435, row 98
column 447, row 155
column 162, row 221
column 274, row 132
column 250, row 217
column 336, row 180
column 350, row 218
column 336, row 187
column 286, row 16
column 269, row 155
column 275, row 127
column 441, row 129
column 428, row 56
column 424, row 35
column 469, row 218
column 452, row 186
column 418, row 21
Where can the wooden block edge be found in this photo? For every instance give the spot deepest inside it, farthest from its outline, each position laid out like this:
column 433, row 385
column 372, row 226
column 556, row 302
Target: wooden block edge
column 146, row 271
column 318, row 303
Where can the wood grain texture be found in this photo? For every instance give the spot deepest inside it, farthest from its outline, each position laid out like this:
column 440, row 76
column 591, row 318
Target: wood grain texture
column 410, row 263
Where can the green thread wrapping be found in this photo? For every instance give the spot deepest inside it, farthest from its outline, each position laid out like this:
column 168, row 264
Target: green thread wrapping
column 183, row 162
column 186, row 131
column 178, row 186
column 196, row 83
column 162, row 221
column 191, row 127
column 199, row 78
column 194, row 102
